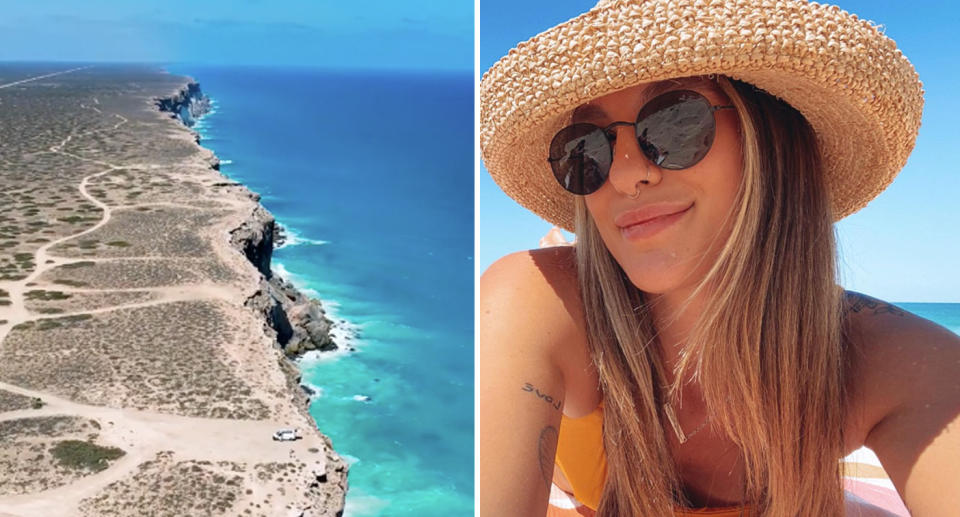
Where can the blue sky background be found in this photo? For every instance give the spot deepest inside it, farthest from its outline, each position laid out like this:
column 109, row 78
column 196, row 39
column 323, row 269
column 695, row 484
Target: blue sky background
column 410, row 34
column 903, row 247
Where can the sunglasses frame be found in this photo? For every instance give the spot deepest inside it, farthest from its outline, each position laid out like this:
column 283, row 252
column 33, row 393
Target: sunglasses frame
column 611, row 137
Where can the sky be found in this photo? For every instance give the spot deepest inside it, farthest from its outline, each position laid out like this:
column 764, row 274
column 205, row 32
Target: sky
column 903, row 247
column 374, row 34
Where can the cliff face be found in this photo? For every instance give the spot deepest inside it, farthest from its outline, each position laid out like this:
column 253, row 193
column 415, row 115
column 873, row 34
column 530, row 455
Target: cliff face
column 298, row 322
column 255, row 239
column 188, row 104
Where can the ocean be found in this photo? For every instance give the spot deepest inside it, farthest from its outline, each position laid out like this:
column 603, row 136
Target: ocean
column 371, row 175
column 945, row 314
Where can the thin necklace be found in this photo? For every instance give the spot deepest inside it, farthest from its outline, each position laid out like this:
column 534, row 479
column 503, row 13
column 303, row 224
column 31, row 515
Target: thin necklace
column 675, row 424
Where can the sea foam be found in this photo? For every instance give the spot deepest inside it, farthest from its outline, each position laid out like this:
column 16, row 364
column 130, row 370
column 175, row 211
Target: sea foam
column 294, row 238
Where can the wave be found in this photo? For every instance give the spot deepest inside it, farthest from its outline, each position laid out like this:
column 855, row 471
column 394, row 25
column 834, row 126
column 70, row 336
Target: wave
column 296, row 280
column 292, row 237
column 350, row 460
column 317, row 391
column 344, row 333
column 363, row 505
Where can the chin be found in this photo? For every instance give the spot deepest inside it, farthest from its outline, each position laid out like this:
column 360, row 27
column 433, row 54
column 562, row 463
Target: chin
column 657, row 274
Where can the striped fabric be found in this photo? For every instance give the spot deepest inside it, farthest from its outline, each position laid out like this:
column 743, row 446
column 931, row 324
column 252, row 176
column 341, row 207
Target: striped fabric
column 864, row 478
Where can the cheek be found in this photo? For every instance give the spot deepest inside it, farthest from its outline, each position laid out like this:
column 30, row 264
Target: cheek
column 651, row 267
column 722, row 175
column 718, row 181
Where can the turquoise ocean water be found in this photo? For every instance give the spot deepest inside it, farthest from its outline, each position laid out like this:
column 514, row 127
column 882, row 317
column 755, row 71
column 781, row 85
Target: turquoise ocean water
column 371, row 173
column 946, row 314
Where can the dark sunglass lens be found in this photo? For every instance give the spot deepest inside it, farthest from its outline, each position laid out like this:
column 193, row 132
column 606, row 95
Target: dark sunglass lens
column 675, row 130
column 580, row 157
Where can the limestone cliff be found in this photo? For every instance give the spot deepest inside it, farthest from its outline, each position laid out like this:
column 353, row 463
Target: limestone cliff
column 188, row 104
column 299, row 322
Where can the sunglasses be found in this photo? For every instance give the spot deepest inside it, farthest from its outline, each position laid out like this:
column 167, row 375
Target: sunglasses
column 675, row 131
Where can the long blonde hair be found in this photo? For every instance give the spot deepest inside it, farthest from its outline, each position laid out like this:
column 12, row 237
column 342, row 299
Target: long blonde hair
column 767, row 349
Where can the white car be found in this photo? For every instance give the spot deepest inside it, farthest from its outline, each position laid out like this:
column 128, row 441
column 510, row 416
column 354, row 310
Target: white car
column 287, row 435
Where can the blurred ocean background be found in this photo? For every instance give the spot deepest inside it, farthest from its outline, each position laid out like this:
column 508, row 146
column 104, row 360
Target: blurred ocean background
column 371, row 175
column 946, row 314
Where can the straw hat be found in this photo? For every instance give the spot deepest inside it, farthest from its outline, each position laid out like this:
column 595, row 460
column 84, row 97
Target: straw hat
column 858, row 91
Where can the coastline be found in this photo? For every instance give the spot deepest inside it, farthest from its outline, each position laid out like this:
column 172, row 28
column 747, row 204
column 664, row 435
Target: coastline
column 297, row 323
column 402, row 422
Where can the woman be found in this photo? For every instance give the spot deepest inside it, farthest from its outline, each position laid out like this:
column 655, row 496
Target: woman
column 692, row 350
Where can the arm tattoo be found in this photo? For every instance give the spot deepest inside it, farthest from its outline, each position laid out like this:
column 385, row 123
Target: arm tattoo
column 530, row 388
column 547, row 451
column 862, row 303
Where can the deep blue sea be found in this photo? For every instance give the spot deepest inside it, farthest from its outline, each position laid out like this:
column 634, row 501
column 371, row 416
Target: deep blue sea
column 371, row 173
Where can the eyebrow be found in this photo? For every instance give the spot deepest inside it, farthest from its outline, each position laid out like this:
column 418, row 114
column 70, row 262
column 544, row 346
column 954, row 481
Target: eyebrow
column 593, row 112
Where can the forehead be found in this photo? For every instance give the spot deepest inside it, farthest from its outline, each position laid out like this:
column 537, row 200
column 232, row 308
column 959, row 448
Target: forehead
column 640, row 94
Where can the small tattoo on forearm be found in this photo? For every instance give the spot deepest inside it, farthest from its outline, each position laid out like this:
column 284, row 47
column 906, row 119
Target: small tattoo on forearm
column 547, row 451
column 530, row 388
column 861, row 302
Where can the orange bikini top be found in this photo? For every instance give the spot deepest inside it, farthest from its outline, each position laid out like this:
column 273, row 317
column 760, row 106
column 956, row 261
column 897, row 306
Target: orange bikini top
column 582, row 460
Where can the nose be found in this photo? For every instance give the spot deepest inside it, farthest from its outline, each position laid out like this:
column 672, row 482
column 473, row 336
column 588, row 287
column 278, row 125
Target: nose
column 631, row 170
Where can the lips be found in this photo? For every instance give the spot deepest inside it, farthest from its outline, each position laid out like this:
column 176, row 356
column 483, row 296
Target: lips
column 650, row 219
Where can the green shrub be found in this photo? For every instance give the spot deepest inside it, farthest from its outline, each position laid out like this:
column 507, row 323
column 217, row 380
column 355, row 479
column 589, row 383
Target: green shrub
column 75, row 265
column 77, row 454
column 40, row 294
column 71, row 283
column 48, row 324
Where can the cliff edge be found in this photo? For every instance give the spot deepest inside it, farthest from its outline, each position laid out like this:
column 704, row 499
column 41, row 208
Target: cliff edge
column 297, row 322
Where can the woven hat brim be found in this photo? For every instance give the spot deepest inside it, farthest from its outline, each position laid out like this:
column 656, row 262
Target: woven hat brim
column 860, row 94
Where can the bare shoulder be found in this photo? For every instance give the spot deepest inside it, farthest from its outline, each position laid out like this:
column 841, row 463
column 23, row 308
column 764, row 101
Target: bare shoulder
column 555, row 266
column 529, row 306
column 536, row 287
column 907, row 370
column 897, row 357
column 897, row 352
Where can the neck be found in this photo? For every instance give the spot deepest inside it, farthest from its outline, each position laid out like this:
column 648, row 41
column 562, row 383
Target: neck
column 674, row 319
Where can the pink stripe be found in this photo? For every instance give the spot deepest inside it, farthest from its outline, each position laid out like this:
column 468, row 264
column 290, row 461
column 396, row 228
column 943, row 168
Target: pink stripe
column 878, row 496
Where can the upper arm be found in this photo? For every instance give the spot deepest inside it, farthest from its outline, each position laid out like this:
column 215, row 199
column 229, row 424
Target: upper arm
column 917, row 435
column 522, row 322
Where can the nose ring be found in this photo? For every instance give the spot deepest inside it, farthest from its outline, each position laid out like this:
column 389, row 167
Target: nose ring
column 644, row 181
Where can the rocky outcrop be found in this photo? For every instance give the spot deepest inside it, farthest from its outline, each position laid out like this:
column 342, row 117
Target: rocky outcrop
column 187, row 104
column 255, row 239
column 299, row 321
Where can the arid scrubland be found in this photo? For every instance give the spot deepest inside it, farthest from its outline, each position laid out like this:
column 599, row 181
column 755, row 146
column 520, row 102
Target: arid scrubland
column 135, row 378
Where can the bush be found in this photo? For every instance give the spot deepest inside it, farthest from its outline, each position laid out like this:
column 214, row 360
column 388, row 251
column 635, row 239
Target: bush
column 85, row 455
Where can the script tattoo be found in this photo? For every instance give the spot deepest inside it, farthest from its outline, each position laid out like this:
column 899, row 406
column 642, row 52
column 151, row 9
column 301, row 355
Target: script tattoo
column 861, row 302
column 547, row 451
column 530, row 388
